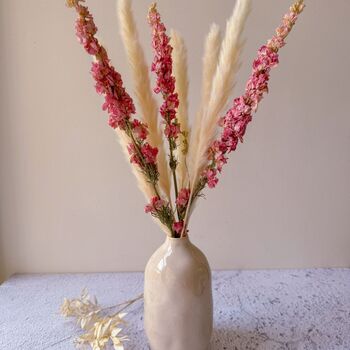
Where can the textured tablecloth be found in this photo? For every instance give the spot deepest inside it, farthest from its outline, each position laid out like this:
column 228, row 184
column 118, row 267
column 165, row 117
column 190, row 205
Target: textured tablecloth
column 270, row 310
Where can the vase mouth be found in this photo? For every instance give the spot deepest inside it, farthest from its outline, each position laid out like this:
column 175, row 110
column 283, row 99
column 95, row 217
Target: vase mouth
column 178, row 239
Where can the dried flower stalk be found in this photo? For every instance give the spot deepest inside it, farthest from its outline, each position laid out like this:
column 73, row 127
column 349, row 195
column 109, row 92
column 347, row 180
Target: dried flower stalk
column 236, row 119
column 210, row 60
column 142, row 140
column 100, row 330
column 142, row 89
column 222, row 85
column 179, row 56
column 120, row 108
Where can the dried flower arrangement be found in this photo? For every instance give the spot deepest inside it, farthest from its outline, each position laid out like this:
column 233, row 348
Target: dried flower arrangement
column 99, row 329
column 196, row 155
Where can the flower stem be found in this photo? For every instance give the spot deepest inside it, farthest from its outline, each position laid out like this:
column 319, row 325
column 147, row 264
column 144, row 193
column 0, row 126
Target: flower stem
column 125, row 303
column 138, row 150
column 172, row 165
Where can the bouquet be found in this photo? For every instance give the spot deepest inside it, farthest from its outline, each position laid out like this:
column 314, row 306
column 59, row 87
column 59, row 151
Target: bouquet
column 173, row 162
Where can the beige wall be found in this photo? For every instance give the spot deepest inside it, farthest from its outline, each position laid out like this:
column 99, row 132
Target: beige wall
column 68, row 200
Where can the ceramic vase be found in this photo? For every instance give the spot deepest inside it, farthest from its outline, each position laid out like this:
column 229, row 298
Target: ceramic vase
column 178, row 297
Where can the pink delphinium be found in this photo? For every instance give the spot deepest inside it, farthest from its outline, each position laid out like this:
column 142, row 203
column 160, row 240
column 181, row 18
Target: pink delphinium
column 161, row 210
column 140, row 129
column 178, row 226
column 235, row 122
column 182, row 201
column 120, row 107
column 165, row 84
column 109, row 83
column 145, row 155
column 183, row 197
column 155, row 205
column 149, row 153
column 162, row 66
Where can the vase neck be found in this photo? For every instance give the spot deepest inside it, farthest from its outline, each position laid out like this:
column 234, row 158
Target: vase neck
column 176, row 242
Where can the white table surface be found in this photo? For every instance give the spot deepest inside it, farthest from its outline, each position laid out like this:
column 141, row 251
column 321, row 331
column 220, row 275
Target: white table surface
column 265, row 310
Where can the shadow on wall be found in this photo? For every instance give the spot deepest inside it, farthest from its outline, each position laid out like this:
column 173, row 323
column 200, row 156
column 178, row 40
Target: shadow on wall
column 2, row 260
column 8, row 143
column 4, row 166
column 3, row 95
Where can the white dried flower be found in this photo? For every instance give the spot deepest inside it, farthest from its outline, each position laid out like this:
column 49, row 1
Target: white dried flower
column 100, row 330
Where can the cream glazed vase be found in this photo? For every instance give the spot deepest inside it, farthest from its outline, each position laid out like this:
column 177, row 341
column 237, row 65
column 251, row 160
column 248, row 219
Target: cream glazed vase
column 178, row 297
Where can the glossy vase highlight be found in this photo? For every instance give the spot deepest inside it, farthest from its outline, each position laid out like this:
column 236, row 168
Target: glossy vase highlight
column 178, row 297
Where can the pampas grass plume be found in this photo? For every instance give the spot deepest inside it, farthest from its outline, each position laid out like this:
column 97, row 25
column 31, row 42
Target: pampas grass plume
column 179, row 56
column 142, row 89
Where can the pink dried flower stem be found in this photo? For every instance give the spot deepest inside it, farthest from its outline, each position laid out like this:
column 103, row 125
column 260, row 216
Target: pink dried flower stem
column 165, row 84
column 235, row 122
column 181, row 203
column 120, row 108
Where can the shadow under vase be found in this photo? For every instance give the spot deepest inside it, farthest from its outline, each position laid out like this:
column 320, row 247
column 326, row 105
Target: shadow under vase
column 233, row 338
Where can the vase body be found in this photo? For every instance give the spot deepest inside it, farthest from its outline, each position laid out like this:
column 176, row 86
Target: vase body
column 178, row 297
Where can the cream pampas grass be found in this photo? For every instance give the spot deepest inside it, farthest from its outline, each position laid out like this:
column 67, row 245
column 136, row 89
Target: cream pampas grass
column 142, row 89
column 179, row 56
column 222, row 85
column 210, row 60
column 220, row 90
